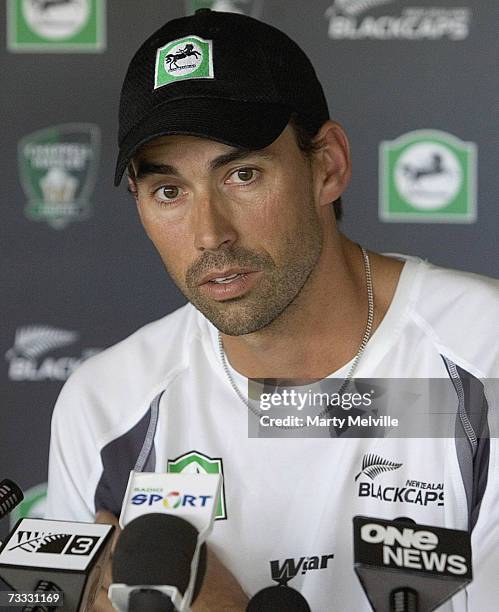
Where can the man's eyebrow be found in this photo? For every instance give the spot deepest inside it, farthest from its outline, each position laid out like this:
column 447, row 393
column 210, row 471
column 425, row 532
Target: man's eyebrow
column 236, row 155
column 146, row 168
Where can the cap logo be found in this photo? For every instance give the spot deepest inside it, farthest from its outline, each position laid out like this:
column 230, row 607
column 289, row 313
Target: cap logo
column 185, row 58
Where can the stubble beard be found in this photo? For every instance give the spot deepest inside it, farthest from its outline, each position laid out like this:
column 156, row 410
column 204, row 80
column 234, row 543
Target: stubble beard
column 275, row 291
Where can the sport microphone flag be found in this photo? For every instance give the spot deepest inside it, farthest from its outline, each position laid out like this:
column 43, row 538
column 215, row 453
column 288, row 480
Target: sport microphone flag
column 190, row 497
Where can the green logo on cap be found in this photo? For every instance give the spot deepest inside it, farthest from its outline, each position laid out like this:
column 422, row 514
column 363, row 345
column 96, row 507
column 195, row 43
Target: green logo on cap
column 428, row 176
column 186, row 58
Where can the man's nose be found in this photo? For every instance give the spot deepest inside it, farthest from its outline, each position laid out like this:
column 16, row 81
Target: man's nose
column 212, row 225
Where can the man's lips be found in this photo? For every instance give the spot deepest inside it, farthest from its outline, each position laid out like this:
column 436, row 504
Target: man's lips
column 224, row 274
column 240, row 281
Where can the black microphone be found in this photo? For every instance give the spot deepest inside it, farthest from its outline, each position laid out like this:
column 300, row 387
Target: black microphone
column 406, row 567
column 156, row 550
column 10, row 496
column 278, row 599
column 44, row 587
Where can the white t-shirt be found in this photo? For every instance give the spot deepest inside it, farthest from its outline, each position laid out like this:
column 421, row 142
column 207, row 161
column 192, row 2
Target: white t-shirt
column 163, row 396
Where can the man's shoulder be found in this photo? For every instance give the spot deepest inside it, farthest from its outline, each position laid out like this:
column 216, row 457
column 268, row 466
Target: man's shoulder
column 143, row 360
column 461, row 311
column 455, row 295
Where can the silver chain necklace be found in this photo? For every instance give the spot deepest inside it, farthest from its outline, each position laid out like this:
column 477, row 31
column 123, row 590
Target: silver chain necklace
column 353, row 367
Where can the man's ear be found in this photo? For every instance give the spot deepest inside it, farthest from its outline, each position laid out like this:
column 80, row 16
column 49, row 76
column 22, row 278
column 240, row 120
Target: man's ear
column 132, row 186
column 332, row 164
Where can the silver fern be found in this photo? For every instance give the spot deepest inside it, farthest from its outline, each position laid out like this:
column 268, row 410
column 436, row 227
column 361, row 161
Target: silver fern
column 33, row 341
column 373, row 465
column 31, row 541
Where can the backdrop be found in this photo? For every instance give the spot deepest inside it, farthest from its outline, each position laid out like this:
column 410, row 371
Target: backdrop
column 414, row 83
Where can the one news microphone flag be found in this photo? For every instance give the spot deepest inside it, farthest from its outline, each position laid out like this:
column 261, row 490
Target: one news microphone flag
column 57, row 556
column 190, row 497
column 10, row 496
column 407, row 567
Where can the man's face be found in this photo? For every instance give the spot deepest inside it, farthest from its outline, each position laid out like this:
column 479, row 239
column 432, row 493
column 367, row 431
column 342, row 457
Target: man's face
column 237, row 231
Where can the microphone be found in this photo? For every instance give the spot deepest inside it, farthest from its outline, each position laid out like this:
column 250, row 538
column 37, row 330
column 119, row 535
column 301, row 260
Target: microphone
column 10, row 496
column 45, row 587
column 155, row 563
column 183, row 506
column 406, row 567
column 60, row 560
column 278, row 599
column 193, row 497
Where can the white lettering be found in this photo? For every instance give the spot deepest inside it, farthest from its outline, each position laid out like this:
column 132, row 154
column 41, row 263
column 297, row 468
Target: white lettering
column 390, row 535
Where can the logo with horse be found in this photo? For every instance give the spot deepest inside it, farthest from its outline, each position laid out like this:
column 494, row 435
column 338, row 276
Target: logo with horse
column 187, row 58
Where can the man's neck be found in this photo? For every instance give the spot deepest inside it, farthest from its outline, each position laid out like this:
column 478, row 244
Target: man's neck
column 322, row 329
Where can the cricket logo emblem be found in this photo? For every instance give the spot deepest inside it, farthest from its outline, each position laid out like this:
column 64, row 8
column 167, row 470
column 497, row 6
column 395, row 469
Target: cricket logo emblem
column 428, row 176
column 195, row 462
column 185, row 58
column 77, row 26
column 172, row 58
column 57, row 168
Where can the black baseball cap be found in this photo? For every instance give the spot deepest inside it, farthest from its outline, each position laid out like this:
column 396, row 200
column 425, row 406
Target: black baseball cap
column 222, row 76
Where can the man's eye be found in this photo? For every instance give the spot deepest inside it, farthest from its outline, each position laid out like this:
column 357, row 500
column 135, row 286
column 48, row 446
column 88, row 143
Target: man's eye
column 170, row 192
column 243, row 175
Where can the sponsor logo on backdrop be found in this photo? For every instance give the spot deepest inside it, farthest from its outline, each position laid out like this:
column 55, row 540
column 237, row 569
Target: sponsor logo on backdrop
column 390, row 20
column 185, row 58
column 416, row 492
column 284, row 571
column 32, row 506
column 428, row 176
column 36, row 354
column 56, row 25
column 249, row 7
column 195, row 462
column 58, row 168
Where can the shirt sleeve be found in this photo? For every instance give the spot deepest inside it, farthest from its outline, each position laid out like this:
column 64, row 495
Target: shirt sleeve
column 483, row 592
column 74, row 459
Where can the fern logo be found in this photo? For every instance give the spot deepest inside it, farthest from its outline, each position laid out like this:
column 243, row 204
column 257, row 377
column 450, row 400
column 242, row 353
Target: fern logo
column 41, row 542
column 29, row 357
column 34, row 341
column 420, row 491
column 373, row 465
column 33, row 541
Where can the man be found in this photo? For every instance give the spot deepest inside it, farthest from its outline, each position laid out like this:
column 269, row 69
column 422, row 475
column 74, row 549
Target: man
column 234, row 165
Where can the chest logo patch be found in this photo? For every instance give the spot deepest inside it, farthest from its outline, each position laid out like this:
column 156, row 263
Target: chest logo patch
column 195, row 462
column 373, row 465
column 413, row 491
column 284, row 571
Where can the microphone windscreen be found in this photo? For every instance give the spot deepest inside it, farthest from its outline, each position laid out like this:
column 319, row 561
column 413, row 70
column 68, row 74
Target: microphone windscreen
column 278, row 599
column 157, row 549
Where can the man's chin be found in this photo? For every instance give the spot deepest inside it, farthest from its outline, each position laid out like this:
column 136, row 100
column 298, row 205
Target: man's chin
column 233, row 318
